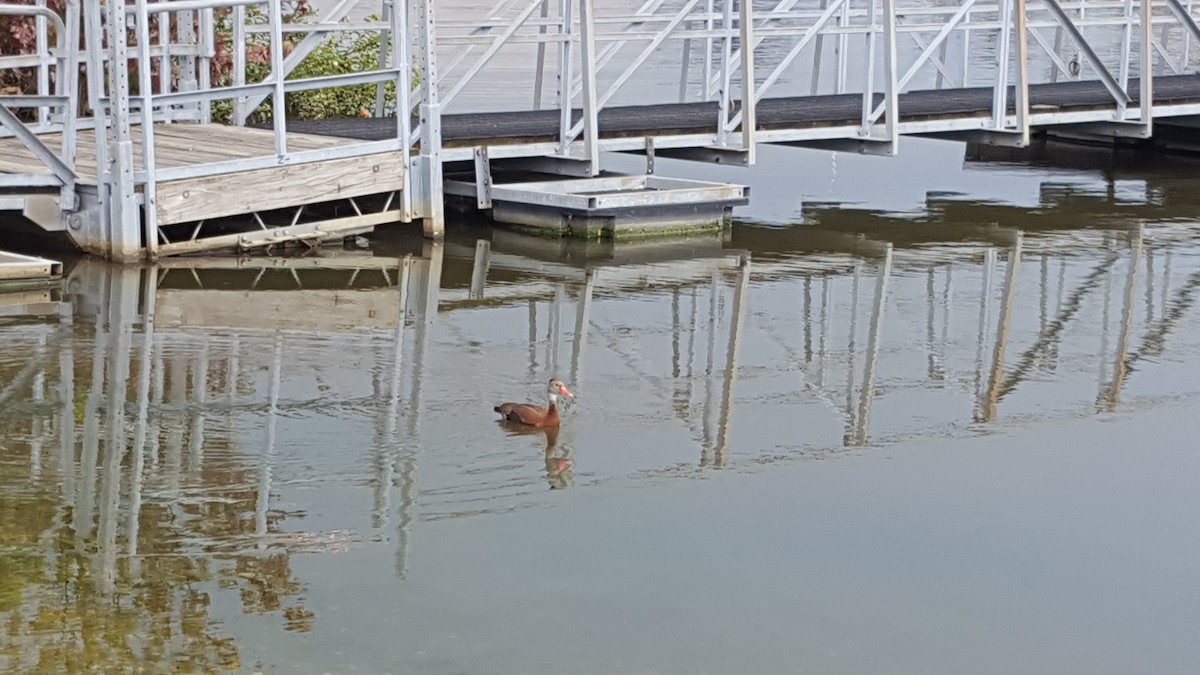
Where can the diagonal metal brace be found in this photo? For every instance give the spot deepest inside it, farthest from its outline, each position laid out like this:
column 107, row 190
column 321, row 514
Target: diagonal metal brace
column 1181, row 13
column 1110, row 82
column 48, row 157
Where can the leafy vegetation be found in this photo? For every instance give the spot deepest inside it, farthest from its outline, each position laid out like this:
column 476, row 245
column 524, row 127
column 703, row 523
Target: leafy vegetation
column 338, row 54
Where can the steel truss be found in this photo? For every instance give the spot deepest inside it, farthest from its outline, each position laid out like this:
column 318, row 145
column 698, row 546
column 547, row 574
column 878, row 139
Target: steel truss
column 149, row 62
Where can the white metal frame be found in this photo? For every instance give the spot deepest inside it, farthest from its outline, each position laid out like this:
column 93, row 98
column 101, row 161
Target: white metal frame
column 883, row 49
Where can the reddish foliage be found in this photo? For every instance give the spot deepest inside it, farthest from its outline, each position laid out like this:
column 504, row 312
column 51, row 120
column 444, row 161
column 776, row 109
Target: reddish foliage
column 20, row 37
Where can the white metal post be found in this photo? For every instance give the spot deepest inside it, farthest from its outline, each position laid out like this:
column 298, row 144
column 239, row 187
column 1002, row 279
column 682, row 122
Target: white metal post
column 93, row 34
column 165, row 55
column 843, row 46
column 402, row 62
column 891, row 94
column 239, row 64
column 726, row 71
column 124, row 236
column 708, row 49
column 1126, row 53
column 685, row 64
column 749, row 97
column 1000, row 90
column 43, row 68
column 1146, row 58
column 566, row 65
column 814, row 84
column 1022, row 67
column 146, row 93
column 278, row 98
column 68, row 83
column 539, row 79
column 868, row 102
column 428, row 165
column 185, row 35
column 591, row 106
column 208, row 50
column 385, row 37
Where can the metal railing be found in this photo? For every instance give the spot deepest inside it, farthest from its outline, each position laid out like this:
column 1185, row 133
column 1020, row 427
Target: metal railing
column 173, row 83
column 151, row 62
column 54, row 112
column 874, row 48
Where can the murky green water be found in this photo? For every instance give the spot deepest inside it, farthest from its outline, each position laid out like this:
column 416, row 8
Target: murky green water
column 945, row 427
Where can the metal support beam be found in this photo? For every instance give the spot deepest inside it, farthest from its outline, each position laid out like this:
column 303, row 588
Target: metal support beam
column 1184, row 17
column 749, row 97
column 578, row 167
column 891, row 93
column 1146, row 63
column 858, row 146
column 427, row 166
column 483, row 178
column 566, row 66
column 707, row 155
column 146, row 92
column 1021, row 104
column 124, row 236
column 591, row 102
column 1110, row 83
column 60, row 169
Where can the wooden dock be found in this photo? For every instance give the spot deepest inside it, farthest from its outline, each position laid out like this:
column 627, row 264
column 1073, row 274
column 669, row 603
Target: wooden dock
column 733, row 83
column 223, row 193
column 198, row 182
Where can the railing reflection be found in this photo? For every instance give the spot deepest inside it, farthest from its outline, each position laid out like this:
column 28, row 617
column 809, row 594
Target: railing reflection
column 174, row 389
column 164, row 391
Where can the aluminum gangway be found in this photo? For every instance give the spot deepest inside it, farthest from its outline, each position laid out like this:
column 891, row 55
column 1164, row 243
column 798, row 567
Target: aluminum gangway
column 142, row 132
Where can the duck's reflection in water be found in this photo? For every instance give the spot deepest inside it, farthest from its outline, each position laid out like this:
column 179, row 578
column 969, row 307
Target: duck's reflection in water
column 560, row 461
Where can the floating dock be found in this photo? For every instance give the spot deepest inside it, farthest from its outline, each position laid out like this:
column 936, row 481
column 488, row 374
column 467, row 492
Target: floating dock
column 613, row 206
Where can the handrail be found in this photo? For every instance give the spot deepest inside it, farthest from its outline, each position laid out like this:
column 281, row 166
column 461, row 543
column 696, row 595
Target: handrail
column 44, row 12
column 64, row 56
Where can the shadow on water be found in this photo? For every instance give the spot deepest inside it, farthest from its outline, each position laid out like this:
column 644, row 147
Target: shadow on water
column 176, row 436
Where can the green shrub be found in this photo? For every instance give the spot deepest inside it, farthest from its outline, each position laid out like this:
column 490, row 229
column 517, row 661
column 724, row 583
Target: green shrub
column 336, row 55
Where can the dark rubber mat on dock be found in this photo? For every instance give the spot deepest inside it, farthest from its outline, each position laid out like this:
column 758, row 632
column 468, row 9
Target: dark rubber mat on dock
column 773, row 113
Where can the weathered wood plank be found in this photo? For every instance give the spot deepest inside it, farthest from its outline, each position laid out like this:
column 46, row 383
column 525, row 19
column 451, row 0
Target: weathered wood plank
column 175, row 145
column 264, row 189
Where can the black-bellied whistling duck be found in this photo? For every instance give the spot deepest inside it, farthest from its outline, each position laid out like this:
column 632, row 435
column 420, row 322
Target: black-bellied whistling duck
column 540, row 416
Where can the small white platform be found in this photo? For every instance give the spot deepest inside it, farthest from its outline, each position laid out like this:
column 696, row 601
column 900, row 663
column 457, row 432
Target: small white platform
column 608, row 206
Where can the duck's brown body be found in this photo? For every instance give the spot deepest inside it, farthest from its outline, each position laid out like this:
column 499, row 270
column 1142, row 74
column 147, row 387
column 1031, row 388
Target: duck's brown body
column 538, row 416
column 528, row 414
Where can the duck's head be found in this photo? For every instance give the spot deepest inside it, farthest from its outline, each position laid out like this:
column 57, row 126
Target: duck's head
column 557, row 388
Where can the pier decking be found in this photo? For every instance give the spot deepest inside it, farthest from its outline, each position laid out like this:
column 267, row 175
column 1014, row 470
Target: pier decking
column 699, row 81
column 218, row 192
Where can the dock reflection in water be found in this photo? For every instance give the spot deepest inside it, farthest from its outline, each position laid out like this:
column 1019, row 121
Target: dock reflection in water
column 176, row 438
